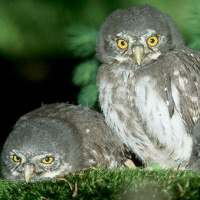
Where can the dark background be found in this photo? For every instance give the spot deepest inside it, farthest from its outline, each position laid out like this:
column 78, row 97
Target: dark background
column 36, row 60
column 19, row 95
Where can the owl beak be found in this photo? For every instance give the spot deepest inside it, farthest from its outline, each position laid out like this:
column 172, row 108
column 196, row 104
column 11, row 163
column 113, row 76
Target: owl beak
column 29, row 170
column 138, row 52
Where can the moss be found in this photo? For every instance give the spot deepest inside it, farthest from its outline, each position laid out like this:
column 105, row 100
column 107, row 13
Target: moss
column 110, row 184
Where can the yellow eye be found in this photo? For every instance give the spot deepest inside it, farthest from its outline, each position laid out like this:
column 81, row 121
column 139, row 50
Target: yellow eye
column 16, row 158
column 122, row 44
column 47, row 160
column 152, row 41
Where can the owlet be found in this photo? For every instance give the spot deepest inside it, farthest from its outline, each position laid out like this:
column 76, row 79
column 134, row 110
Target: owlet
column 149, row 85
column 57, row 139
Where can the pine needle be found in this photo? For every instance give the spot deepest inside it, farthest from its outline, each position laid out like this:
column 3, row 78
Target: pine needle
column 85, row 73
column 81, row 40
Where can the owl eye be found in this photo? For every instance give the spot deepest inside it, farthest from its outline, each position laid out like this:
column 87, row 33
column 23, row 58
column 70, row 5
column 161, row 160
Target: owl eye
column 47, row 160
column 152, row 41
column 16, row 159
column 122, row 44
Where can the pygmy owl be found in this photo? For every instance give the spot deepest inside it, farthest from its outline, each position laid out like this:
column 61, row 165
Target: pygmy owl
column 57, row 139
column 149, row 85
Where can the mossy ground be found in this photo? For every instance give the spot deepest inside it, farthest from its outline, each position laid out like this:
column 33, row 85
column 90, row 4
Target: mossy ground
column 109, row 184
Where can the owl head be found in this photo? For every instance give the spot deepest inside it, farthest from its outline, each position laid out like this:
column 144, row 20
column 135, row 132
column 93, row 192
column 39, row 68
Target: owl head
column 41, row 148
column 136, row 37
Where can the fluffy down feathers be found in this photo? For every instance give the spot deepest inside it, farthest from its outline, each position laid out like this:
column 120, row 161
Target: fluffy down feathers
column 57, row 139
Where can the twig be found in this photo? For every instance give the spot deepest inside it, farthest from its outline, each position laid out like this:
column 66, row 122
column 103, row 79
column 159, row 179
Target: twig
column 44, row 198
column 180, row 189
column 64, row 179
column 76, row 190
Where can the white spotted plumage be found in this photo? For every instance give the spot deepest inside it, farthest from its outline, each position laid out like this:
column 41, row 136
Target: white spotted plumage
column 154, row 111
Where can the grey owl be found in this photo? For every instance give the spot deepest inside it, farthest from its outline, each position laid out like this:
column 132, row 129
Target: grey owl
column 149, row 85
column 57, row 139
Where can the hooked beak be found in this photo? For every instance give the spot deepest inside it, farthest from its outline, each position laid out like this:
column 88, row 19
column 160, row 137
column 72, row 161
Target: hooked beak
column 138, row 52
column 29, row 171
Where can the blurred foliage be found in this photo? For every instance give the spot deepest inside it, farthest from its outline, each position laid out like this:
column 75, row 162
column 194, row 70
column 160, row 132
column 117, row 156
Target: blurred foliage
column 31, row 28
column 85, row 76
column 39, row 29
column 193, row 24
column 81, row 40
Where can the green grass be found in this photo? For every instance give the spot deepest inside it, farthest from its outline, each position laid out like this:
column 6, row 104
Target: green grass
column 110, row 184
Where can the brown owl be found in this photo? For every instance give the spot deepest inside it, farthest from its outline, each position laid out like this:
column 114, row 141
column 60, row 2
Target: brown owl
column 149, row 85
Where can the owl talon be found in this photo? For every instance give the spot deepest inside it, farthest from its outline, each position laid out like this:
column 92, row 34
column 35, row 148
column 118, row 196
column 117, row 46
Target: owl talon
column 130, row 164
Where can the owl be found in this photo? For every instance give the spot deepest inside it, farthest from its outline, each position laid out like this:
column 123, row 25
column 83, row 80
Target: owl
column 58, row 139
column 149, row 85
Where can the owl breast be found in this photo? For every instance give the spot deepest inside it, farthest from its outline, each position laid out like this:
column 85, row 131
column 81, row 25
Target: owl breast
column 139, row 115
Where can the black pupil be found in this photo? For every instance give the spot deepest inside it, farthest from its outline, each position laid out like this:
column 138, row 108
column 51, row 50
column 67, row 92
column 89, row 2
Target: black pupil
column 152, row 40
column 47, row 159
column 122, row 43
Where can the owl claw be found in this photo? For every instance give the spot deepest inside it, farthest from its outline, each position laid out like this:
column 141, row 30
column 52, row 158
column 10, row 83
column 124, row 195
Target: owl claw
column 130, row 164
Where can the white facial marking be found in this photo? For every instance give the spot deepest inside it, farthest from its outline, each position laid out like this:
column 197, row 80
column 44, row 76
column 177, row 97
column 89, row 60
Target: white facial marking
column 154, row 56
column 120, row 58
column 65, row 169
column 145, row 36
